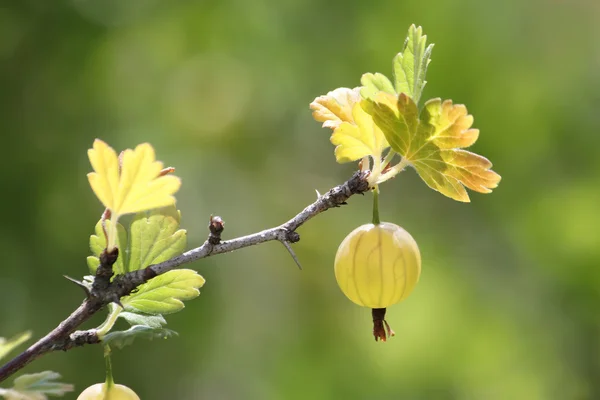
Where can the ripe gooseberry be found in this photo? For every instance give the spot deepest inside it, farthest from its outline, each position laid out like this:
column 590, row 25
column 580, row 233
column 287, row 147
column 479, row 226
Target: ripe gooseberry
column 102, row 391
column 376, row 266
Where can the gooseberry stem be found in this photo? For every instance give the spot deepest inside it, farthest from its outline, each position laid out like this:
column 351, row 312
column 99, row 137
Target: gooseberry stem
column 108, row 324
column 376, row 220
column 109, row 377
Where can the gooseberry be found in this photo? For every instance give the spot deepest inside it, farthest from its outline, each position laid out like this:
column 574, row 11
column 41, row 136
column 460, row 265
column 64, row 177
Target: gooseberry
column 102, row 391
column 376, row 266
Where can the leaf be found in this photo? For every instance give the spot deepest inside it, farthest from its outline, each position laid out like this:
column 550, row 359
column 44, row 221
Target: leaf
column 359, row 139
column 6, row 346
column 98, row 244
column 374, row 83
column 335, row 107
column 432, row 141
column 165, row 293
column 135, row 186
column 154, row 237
column 354, row 133
column 120, row 339
column 151, row 321
column 409, row 67
column 36, row 387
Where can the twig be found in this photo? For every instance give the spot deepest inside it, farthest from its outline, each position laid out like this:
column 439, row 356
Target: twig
column 104, row 291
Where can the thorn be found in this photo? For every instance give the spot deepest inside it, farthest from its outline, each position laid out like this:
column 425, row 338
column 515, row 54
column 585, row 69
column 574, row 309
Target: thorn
column 80, row 284
column 318, row 194
column 291, row 251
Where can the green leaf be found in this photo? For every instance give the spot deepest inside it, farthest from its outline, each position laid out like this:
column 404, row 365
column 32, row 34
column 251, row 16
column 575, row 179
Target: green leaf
column 152, row 321
column 36, row 387
column 373, row 83
column 151, row 237
column 98, row 244
column 356, row 140
column 120, row 339
column 432, row 142
column 164, row 294
column 6, row 346
column 154, row 236
column 410, row 66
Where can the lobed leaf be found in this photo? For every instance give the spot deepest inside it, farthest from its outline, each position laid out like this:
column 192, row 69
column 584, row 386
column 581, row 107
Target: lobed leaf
column 154, row 236
column 135, row 185
column 165, row 293
column 359, row 139
column 354, row 133
column 36, row 387
column 375, row 83
column 120, row 339
column 432, row 143
column 410, row 66
column 152, row 321
column 335, row 107
column 409, row 69
column 6, row 346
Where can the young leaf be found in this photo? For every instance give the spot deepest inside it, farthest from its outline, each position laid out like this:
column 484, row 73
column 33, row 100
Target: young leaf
column 432, row 141
column 6, row 346
column 335, row 107
column 359, row 139
column 154, row 236
column 36, row 387
column 120, row 339
column 98, row 244
column 134, row 186
column 374, row 83
column 409, row 66
column 151, row 321
column 354, row 133
column 165, row 293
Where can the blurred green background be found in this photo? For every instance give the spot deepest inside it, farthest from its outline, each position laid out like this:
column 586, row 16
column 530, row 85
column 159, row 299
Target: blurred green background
column 508, row 302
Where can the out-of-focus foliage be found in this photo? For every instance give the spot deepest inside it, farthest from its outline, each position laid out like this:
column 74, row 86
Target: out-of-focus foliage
column 36, row 386
column 507, row 303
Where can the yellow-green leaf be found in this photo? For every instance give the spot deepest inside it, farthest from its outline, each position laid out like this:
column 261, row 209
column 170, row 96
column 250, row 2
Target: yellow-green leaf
column 6, row 346
column 354, row 133
column 154, row 236
column 335, row 107
column 374, row 83
column 358, row 139
column 151, row 237
column 165, row 293
column 136, row 185
column 432, row 143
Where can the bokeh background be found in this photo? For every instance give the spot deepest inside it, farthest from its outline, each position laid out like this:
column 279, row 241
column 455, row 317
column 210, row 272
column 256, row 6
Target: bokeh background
column 508, row 302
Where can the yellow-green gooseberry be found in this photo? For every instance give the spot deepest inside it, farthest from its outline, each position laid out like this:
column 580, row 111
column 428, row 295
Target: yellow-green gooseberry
column 377, row 266
column 101, row 391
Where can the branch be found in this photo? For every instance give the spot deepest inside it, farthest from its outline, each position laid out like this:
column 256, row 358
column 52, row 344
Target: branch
column 104, row 291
